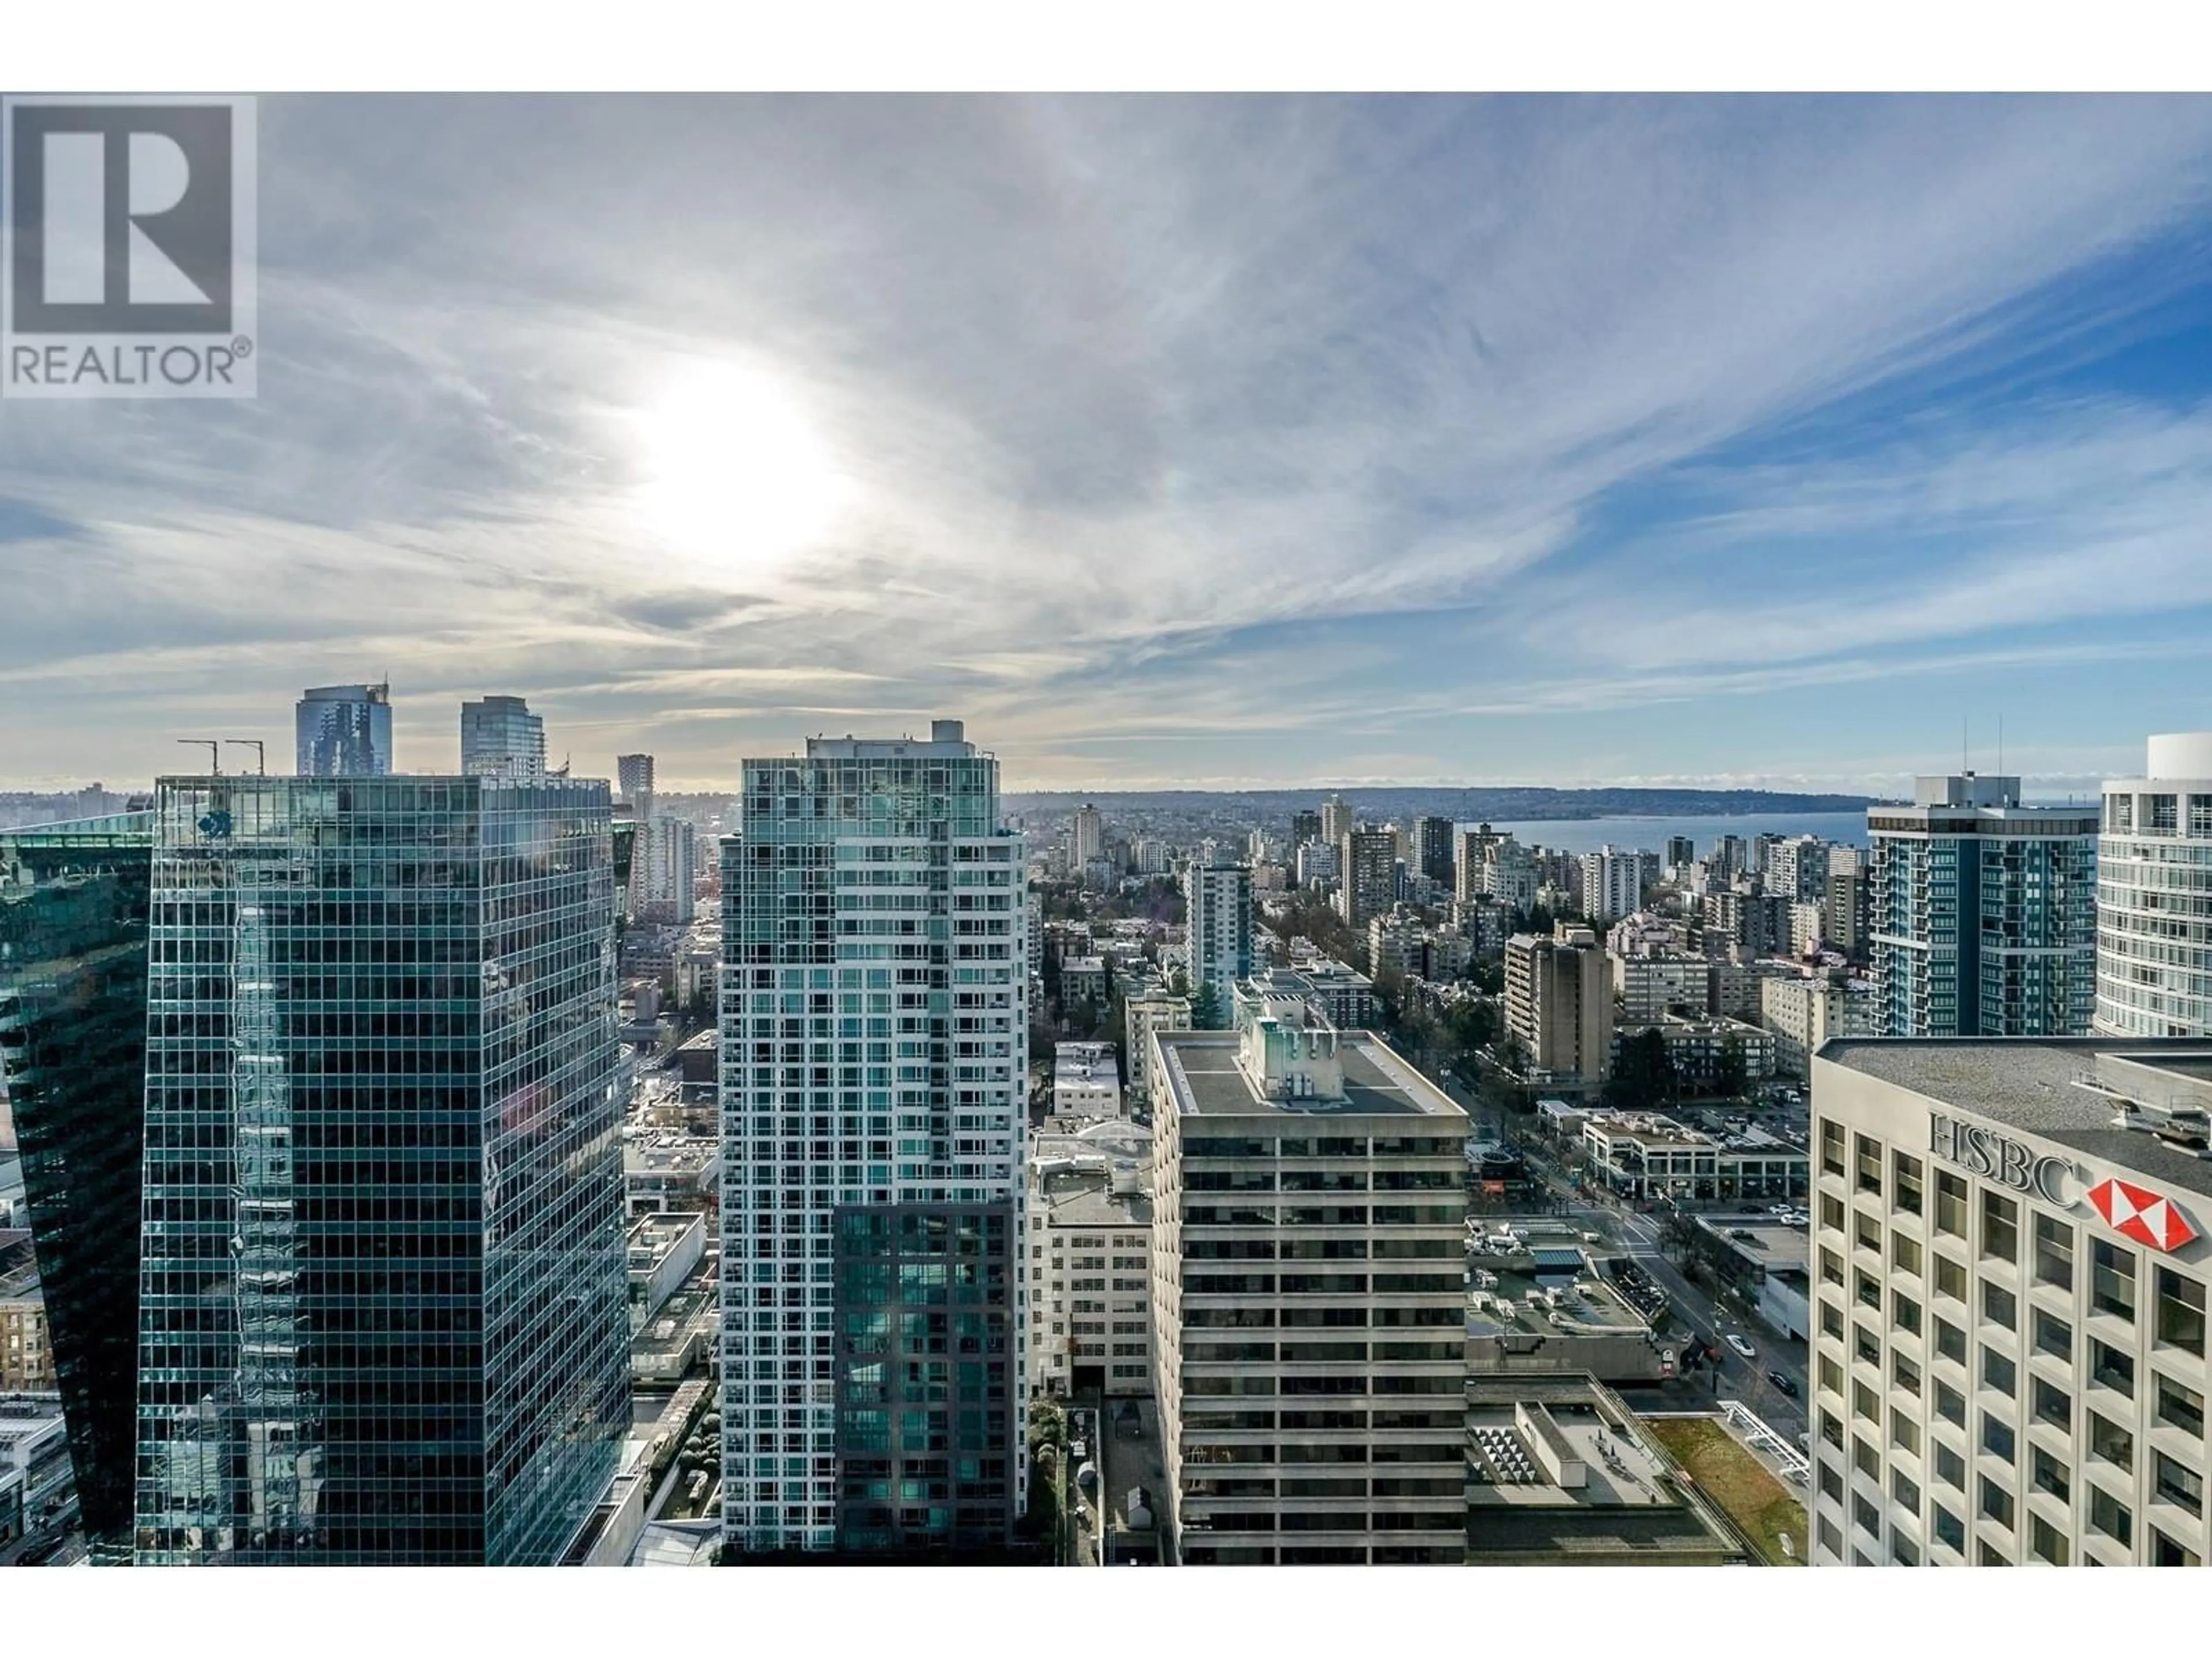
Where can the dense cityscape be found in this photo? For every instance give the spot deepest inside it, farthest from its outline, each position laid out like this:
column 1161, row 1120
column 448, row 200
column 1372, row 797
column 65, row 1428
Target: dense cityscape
column 870, row 1164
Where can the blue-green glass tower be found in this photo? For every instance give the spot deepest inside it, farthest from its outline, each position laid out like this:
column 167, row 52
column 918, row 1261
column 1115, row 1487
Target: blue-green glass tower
column 382, row 1316
column 73, row 916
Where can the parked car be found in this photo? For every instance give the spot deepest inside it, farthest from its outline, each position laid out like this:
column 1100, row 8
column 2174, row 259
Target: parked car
column 1783, row 1380
column 1742, row 1346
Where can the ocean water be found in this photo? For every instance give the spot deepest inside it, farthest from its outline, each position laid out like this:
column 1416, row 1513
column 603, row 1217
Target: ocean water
column 1638, row 835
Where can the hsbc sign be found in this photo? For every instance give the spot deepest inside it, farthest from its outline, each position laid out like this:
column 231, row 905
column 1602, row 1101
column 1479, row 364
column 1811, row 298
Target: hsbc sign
column 2004, row 1160
column 2132, row 1211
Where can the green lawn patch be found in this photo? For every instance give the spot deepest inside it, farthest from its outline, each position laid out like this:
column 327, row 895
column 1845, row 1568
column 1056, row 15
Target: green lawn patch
column 1718, row 1464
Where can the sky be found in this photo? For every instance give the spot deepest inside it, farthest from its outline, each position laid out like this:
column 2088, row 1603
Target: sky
column 1172, row 442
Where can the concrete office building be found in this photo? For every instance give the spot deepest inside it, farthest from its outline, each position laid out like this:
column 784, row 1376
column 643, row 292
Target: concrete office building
column 1983, row 912
column 502, row 738
column 2154, row 895
column 1367, row 869
column 1308, row 1304
column 1559, row 1002
column 421, row 1359
column 2009, row 1272
column 1219, row 908
column 343, row 731
column 875, row 1057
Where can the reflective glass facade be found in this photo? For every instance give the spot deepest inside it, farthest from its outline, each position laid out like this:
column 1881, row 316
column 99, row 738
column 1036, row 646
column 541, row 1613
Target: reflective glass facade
column 502, row 738
column 73, row 920
column 382, row 1314
column 343, row 731
column 874, row 1058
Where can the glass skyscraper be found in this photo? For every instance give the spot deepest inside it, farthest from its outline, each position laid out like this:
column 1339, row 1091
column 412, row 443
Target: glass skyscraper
column 344, row 732
column 873, row 1079
column 382, row 1316
column 1983, row 912
column 73, row 928
column 502, row 738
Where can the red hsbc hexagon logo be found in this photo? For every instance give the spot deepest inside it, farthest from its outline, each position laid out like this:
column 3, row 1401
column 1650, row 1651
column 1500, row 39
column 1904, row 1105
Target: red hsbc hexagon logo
column 2136, row 1212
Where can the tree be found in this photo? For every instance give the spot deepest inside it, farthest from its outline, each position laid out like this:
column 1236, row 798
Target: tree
column 1206, row 1013
column 1644, row 1073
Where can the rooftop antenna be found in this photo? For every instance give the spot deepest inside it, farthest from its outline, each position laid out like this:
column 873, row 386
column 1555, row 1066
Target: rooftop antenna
column 2001, row 745
column 261, row 753
column 1965, row 763
column 215, row 754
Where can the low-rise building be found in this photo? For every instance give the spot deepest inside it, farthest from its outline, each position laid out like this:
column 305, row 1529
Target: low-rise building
column 1701, row 1047
column 665, row 1169
column 1651, row 987
column 1090, row 1278
column 1083, row 979
column 27, row 1355
column 1645, row 1155
column 1086, row 1080
column 665, row 1250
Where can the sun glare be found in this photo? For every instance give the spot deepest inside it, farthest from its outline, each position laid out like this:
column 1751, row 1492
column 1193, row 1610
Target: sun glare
column 734, row 471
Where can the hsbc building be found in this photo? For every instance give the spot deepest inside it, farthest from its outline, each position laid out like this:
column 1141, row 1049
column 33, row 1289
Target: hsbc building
column 2009, row 1267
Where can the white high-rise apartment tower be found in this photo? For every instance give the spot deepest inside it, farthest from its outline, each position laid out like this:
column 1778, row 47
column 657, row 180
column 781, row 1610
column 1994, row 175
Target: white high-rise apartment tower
column 874, row 1057
column 2154, row 895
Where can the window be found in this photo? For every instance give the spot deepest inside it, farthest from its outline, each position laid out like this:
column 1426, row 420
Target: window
column 2000, row 1226
column 1905, row 1490
column 1831, row 1539
column 1832, row 1481
column 2045, row 1543
column 1905, row 1253
column 2112, row 1367
column 1869, row 1164
column 1869, row 1346
column 1904, row 1432
column 1867, row 1514
column 1866, row 1459
column 1831, row 1267
column 1831, row 1214
column 1950, row 1204
column 1903, row 1551
column 1997, row 1439
column 2177, row 1484
column 2054, row 1253
column 1831, row 1148
column 1908, row 1313
column 1905, row 1373
column 1868, row 1289
column 2181, row 1407
column 1865, row 1402
column 1905, row 1172
column 1987, row 1555
column 2180, row 1312
column 2047, row 1474
column 1950, row 1530
column 1950, row 1342
column 1950, row 1467
column 1868, row 1232
column 1950, row 1404
column 2109, row 1441
column 1832, row 1374
column 1999, row 1372
column 1832, row 1319
column 2112, row 1280
column 2000, row 1306
column 2164, row 1552
column 1950, row 1278
column 2053, row 1335
column 2051, row 1404
column 1996, row 1503
column 2108, row 1516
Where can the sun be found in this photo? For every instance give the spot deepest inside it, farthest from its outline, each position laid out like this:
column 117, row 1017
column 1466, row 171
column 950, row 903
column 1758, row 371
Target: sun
column 734, row 471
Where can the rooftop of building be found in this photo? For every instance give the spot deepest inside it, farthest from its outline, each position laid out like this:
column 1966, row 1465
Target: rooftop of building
column 2070, row 1090
column 1762, row 1240
column 1084, row 1062
column 1528, row 1291
column 654, row 1237
column 690, row 1310
column 1087, row 1198
column 1206, row 1080
column 670, row 1151
column 1649, row 1127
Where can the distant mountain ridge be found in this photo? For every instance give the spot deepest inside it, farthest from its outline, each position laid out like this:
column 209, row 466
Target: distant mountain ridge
column 1466, row 806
